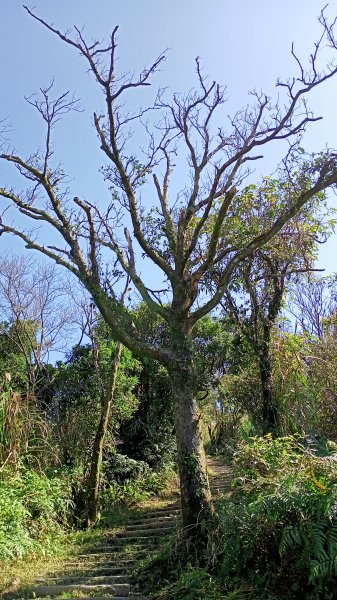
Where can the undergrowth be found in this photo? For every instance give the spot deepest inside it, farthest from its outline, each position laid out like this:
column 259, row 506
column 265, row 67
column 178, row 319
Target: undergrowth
column 33, row 512
column 133, row 482
column 277, row 532
column 280, row 525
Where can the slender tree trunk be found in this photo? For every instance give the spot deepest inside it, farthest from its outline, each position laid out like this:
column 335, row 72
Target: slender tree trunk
column 195, row 493
column 97, row 451
column 270, row 410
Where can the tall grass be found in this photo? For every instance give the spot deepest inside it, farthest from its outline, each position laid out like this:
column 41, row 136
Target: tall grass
column 23, row 431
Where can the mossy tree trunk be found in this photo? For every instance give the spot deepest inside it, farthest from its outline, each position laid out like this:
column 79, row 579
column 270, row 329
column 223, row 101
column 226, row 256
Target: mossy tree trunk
column 195, row 493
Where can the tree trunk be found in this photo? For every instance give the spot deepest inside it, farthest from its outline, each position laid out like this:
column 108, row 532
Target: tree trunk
column 194, row 487
column 97, row 451
column 270, row 410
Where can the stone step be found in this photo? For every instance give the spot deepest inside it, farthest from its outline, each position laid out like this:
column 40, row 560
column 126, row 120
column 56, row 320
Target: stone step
column 84, row 580
column 218, row 481
column 122, row 590
column 152, row 524
column 152, row 521
column 163, row 512
column 116, row 548
column 221, row 486
column 142, row 534
column 113, row 554
column 118, row 541
column 90, row 561
column 109, row 568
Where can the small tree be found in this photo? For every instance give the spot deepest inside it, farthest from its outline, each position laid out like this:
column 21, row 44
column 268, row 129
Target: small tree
column 97, row 381
column 107, row 379
column 181, row 235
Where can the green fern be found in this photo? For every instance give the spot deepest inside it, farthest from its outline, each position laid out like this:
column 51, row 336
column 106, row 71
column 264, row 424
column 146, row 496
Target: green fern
column 291, row 536
column 323, row 566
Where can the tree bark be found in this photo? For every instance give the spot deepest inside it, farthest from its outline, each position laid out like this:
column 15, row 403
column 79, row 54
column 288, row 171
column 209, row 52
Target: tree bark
column 97, row 451
column 194, row 487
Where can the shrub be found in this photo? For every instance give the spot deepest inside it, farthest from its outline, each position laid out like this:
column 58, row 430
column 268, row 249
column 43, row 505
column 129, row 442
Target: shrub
column 33, row 512
column 128, row 481
column 192, row 584
column 280, row 526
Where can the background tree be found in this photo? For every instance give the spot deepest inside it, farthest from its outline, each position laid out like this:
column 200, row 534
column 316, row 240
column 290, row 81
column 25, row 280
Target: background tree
column 181, row 235
column 38, row 318
column 108, row 387
column 255, row 298
column 148, row 435
column 313, row 302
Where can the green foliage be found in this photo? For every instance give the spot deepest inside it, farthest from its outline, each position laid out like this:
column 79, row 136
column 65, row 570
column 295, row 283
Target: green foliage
column 280, row 526
column 305, row 375
column 129, row 481
column 79, row 385
column 237, row 397
column 147, row 435
column 34, row 510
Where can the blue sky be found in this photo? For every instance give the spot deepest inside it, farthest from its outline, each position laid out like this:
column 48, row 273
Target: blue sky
column 243, row 44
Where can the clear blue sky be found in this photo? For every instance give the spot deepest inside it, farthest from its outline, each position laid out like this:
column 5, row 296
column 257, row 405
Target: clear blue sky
column 244, row 44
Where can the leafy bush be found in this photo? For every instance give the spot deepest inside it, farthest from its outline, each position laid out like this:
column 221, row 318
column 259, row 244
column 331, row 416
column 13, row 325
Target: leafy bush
column 128, row 481
column 280, row 526
column 33, row 512
column 121, row 468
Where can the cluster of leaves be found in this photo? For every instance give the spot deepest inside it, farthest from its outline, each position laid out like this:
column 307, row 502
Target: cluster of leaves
column 12, row 361
column 280, row 525
column 276, row 536
column 23, row 431
column 305, row 369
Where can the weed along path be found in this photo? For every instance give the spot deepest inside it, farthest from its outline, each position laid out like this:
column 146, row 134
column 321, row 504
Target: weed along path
column 103, row 569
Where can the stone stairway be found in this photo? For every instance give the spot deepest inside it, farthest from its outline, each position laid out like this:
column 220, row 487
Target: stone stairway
column 103, row 572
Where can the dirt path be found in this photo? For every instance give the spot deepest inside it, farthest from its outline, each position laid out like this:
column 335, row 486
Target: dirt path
column 102, row 572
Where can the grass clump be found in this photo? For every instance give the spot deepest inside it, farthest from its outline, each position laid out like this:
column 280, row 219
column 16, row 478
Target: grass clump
column 133, row 482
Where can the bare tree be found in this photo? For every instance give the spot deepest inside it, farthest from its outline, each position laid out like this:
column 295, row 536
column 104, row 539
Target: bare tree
column 182, row 236
column 36, row 312
column 313, row 302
